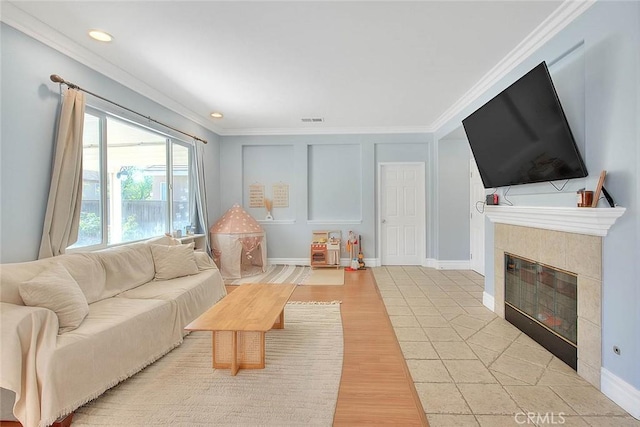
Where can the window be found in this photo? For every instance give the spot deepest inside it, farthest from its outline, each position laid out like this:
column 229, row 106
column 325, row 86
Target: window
column 136, row 182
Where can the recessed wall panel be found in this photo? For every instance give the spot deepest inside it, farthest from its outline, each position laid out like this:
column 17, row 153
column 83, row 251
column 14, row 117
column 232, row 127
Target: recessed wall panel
column 268, row 165
column 335, row 182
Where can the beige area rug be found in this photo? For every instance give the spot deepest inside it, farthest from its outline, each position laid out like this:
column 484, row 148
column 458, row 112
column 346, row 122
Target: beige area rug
column 297, row 274
column 299, row 385
column 325, row 276
column 276, row 273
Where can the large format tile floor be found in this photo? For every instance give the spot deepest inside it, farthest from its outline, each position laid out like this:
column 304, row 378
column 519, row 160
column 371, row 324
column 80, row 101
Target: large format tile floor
column 473, row 368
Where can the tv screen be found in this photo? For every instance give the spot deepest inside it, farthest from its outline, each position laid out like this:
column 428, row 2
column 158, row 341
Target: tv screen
column 522, row 136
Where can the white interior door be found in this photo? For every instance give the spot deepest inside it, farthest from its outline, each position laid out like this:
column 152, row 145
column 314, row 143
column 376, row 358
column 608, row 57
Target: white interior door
column 401, row 213
column 477, row 218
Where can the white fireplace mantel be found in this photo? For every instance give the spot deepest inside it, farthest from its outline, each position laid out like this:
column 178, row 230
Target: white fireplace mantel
column 592, row 221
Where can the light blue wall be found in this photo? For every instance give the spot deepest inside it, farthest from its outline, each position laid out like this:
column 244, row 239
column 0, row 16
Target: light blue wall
column 453, row 200
column 335, row 177
column 29, row 109
column 291, row 239
column 334, row 185
column 267, row 165
column 595, row 63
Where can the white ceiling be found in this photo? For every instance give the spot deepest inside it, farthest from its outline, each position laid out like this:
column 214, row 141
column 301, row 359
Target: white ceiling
column 362, row 66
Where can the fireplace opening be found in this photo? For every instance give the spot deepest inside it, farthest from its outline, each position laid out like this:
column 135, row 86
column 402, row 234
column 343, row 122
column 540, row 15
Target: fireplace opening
column 542, row 302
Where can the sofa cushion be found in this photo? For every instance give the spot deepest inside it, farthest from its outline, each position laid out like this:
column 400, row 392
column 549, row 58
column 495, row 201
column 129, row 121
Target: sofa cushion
column 126, row 267
column 85, row 268
column 163, row 240
column 88, row 271
column 204, row 261
column 13, row 275
column 173, row 261
column 193, row 295
column 55, row 289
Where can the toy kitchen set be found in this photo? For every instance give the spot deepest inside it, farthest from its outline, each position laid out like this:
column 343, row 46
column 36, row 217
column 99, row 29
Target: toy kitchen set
column 325, row 249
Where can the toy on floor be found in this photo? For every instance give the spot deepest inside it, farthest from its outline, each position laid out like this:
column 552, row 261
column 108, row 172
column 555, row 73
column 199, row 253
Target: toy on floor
column 352, row 241
column 325, row 249
column 361, row 265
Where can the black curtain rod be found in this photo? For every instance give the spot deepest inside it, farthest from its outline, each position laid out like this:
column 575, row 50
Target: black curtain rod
column 57, row 79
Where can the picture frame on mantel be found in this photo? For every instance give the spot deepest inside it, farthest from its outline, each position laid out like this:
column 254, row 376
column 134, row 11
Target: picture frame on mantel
column 596, row 195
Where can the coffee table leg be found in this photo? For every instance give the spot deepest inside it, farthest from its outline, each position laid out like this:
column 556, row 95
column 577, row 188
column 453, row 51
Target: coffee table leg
column 213, row 348
column 280, row 322
column 234, row 352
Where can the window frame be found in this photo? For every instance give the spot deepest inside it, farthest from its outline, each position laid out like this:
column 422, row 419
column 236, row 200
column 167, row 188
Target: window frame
column 170, row 140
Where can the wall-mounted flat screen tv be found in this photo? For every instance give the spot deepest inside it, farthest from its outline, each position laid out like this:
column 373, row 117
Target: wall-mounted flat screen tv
column 522, row 136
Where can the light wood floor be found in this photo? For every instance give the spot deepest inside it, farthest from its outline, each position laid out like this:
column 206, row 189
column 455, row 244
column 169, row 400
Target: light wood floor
column 376, row 387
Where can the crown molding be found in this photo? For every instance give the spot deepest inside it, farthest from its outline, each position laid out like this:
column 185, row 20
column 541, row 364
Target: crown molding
column 15, row 17
column 327, row 131
column 566, row 13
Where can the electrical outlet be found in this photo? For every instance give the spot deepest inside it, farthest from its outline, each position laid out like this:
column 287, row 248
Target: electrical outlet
column 616, row 350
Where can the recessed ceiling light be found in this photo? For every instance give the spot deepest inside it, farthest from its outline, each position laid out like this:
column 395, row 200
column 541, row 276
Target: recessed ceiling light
column 216, row 115
column 100, row 35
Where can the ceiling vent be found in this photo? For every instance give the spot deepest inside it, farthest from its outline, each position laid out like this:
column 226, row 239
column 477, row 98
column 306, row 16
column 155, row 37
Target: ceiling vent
column 312, row 119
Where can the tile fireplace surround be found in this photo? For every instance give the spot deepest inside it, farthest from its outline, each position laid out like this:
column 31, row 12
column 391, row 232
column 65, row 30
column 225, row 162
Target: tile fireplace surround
column 566, row 238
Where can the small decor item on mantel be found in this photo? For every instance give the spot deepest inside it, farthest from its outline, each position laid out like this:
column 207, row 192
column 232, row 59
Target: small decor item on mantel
column 596, row 196
column 268, row 205
column 585, row 198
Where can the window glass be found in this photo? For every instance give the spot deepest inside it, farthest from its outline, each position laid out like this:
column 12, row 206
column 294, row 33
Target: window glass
column 136, row 169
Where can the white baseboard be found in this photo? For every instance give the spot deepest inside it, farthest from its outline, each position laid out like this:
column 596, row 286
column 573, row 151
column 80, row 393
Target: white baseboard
column 446, row 264
column 430, row 263
column 345, row 262
column 368, row 262
column 621, row 392
column 375, row 262
column 372, row 262
column 489, row 301
column 453, row 265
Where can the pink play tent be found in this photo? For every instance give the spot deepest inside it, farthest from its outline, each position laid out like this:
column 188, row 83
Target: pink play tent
column 239, row 244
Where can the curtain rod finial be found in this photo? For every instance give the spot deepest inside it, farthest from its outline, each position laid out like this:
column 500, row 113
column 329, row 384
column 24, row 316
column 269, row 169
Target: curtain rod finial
column 56, row 78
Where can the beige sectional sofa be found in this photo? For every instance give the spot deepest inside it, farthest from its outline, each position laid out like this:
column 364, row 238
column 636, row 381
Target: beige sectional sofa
column 58, row 358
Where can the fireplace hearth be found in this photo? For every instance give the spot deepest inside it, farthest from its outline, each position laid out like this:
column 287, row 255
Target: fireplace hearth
column 542, row 302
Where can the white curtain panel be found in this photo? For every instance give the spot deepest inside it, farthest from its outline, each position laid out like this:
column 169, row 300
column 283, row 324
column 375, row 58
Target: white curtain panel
column 62, row 218
column 197, row 173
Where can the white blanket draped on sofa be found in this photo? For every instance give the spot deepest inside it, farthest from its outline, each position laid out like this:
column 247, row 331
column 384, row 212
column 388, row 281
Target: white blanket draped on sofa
column 133, row 320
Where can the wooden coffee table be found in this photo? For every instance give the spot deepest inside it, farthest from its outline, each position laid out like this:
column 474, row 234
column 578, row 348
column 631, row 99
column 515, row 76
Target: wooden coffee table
column 239, row 322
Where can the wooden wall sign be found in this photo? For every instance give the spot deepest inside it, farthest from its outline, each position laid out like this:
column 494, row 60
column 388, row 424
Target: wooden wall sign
column 280, row 195
column 256, row 196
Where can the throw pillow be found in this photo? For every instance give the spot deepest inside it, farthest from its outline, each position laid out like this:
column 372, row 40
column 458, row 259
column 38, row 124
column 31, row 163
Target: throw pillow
column 173, row 261
column 55, row 289
column 164, row 240
column 204, row 261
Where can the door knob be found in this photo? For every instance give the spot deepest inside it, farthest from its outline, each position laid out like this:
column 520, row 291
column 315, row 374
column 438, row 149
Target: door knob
column 384, row 221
